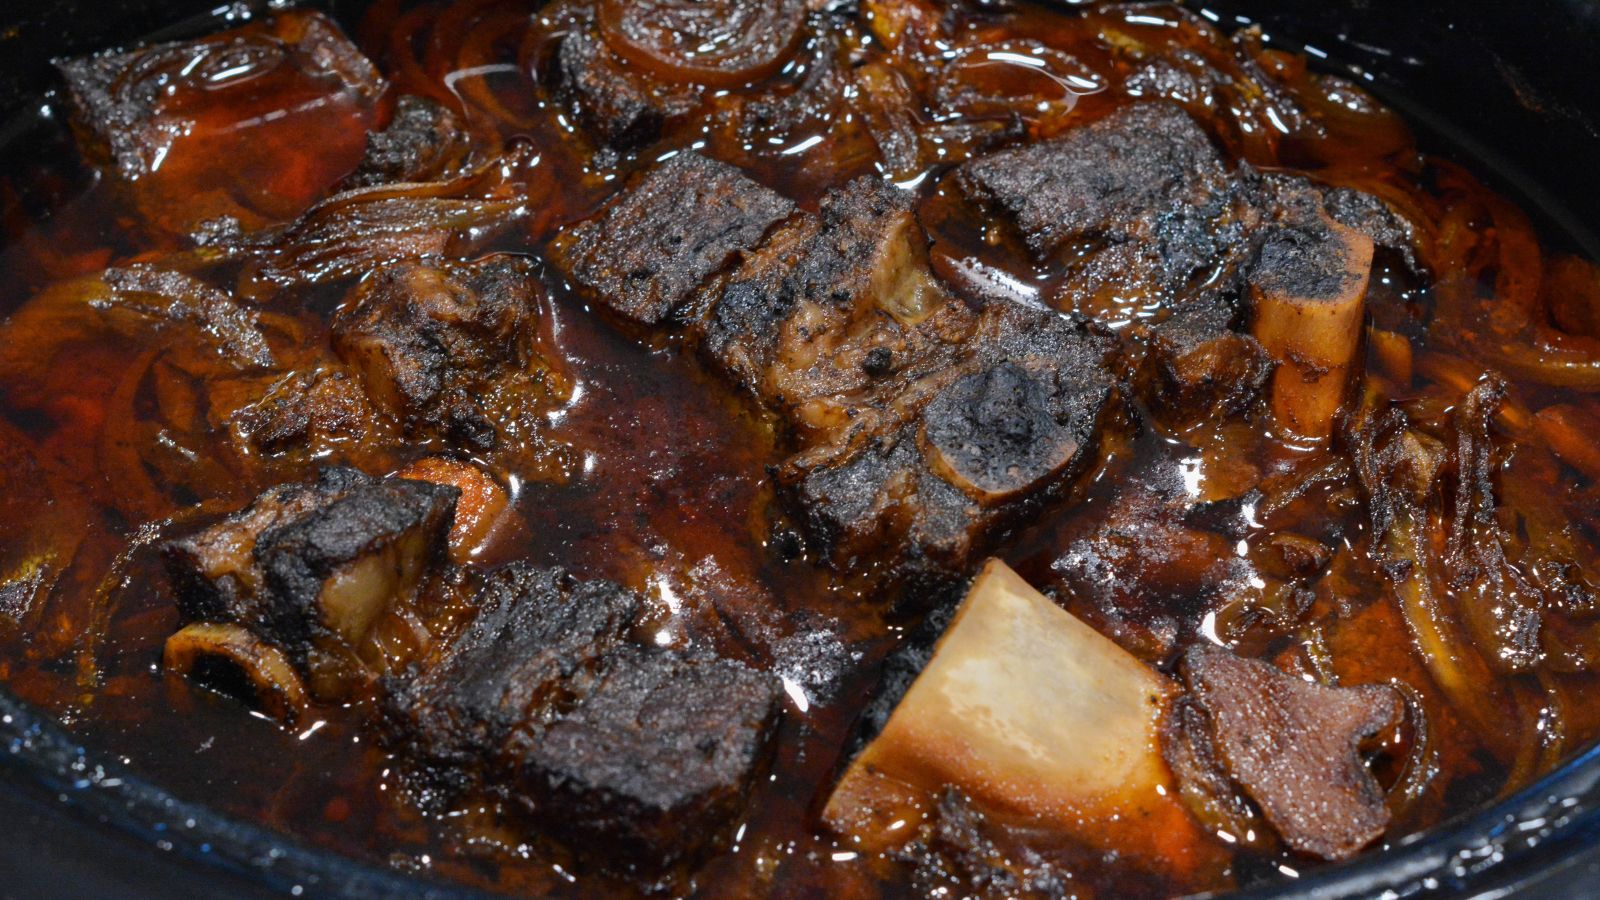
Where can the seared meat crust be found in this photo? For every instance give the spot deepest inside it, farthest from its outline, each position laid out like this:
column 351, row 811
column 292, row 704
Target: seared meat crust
column 646, row 253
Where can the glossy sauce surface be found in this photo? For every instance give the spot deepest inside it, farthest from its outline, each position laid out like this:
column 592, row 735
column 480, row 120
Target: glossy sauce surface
column 654, row 472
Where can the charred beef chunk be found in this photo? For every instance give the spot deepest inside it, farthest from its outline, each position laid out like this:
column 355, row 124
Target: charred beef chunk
column 1202, row 367
column 311, row 568
column 646, row 253
column 288, row 99
column 920, row 418
column 658, row 757
column 1372, row 217
column 614, row 102
column 432, row 342
column 637, row 752
column 1294, row 747
column 832, row 304
column 1146, row 173
column 422, row 143
column 537, row 636
column 987, row 446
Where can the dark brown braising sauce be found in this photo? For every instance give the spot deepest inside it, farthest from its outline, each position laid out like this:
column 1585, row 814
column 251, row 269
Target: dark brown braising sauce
column 655, row 474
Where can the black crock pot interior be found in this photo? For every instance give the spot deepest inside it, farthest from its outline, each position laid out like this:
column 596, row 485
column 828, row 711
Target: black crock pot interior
column 1507, row 87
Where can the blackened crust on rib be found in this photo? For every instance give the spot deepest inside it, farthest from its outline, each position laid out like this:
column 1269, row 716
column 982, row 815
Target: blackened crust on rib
column 659, row 757
column 266, row 567
column 985, row 450
column 1294, row 747
column 299, row 557
column 1146, row 171
column 828, row 259
column 538, row 636
column 209, row 571
column 1372, row 217
column 1306, row 260
column 634, row 753
column 655, row 244
column 994, row 432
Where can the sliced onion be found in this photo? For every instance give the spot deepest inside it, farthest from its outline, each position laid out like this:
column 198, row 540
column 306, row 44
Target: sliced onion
column 717, row 43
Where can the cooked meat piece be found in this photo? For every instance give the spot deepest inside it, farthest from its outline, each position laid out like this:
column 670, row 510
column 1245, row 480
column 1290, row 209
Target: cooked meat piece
column 1373, row 218
column 1294, row 747
column 1145, row 555
column 288, row 98
column 335, row 569
column 657, row 759
column 301, row 410
column 646, row 253
column 998, row 433
column 1202, row 366
column 430, row 341
column 422, row 143
column 826, row 260
column 537, row 638
column 1190, row 750
column 310, row 568
column 642, row 753
column 989, row 446
column 623, row 109
column 1146, row 173
column 829, row 306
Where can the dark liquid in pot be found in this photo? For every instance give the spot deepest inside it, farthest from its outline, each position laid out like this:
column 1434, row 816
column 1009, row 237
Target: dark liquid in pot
column 656, row 474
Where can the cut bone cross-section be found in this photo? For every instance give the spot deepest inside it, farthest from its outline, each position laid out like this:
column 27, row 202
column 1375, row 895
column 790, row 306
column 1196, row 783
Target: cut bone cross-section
column 1031, row 714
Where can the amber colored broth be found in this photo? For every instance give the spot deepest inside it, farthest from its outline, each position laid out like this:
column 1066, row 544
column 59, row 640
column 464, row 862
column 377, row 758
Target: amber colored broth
column 669, row 495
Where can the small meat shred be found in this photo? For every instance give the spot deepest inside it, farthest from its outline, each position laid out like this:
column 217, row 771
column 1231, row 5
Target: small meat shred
column 423, row 142
column 1294, row 746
